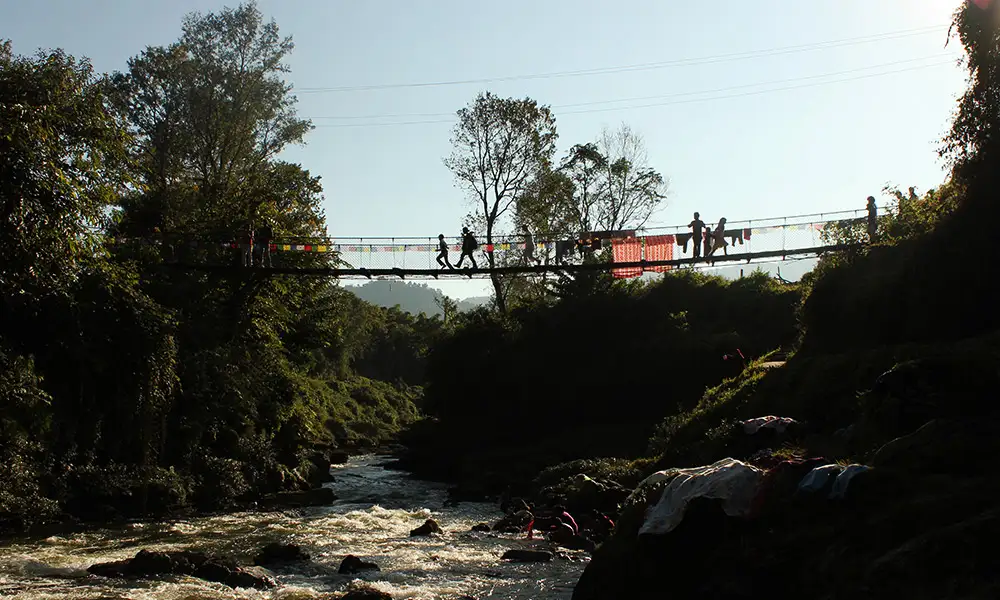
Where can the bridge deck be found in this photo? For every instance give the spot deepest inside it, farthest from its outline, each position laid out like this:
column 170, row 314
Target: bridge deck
column 518, row 270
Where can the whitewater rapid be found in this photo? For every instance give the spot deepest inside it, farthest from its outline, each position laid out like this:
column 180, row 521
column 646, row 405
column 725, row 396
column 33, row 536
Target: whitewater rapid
column 372, row 518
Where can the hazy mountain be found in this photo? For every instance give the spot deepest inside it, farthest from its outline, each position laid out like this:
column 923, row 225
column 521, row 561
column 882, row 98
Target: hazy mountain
column 419, row 298
column 414, row 298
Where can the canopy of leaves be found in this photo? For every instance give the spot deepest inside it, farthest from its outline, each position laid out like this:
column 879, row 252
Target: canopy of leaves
column 135, row 388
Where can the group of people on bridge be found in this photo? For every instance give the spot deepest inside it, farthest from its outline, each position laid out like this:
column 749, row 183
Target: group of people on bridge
column 256, row 244
column 705, row 237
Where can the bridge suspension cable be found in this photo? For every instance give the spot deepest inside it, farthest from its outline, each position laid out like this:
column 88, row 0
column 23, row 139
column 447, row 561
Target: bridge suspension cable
column 632, row 252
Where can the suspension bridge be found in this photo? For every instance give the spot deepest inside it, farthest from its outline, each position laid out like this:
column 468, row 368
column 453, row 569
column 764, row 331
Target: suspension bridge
column 632, row 252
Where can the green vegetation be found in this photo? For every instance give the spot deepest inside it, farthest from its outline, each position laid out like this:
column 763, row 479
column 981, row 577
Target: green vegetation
column 587, row 376
column 129, row 388
column 895, row 367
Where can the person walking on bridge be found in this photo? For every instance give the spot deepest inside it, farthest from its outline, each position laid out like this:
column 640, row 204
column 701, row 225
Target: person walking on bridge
column 442, row 256
column 873, row 219
column 529, row 247
column 264, row 237
column 719, row 238
column 697, row 226
column 469, row 245
column 246, row 244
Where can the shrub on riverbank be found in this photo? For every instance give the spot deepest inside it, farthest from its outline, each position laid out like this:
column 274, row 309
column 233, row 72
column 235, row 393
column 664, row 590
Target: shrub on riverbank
column 589, row 375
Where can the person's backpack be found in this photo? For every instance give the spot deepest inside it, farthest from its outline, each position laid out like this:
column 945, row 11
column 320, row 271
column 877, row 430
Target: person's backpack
column 473, row 244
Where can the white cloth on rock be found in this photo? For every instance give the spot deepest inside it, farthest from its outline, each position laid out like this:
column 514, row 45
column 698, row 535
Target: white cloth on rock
column 732, row 481
column 779, row 424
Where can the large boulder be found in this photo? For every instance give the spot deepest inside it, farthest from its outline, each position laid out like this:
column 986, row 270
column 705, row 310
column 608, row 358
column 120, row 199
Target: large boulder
column 275, row 553
column 352, row 565
column 148, row 564
column 587, row 493
column 319, row 471
column 429, row 527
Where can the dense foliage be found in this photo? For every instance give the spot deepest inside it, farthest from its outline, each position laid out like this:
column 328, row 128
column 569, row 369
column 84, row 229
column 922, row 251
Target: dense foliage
column 128, row 387
column 591, row 374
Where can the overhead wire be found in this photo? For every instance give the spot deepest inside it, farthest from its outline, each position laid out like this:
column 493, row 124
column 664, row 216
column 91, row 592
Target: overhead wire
column 674, row 102
column 729, row 57
column 661, row 96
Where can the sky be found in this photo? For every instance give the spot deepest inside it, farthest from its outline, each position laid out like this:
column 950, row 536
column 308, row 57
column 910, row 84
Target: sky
column 862, row 113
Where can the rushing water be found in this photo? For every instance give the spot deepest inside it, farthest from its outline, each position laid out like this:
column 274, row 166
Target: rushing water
column 372, row 520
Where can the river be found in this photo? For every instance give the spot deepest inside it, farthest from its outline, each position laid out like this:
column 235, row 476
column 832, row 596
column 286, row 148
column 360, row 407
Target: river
column 372, row 518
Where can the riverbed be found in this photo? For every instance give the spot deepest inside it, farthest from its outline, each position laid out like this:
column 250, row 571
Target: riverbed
column 376, row 509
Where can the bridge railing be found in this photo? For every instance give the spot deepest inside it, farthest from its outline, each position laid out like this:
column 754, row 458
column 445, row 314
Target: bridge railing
column 746, row 237
column 742, row 237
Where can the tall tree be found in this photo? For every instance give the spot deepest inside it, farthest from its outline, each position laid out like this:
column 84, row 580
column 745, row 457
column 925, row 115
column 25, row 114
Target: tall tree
column 499, row 146
column 973, row 144
column 63, row 161
column 584, row 165
column 209, row 113
column 630, row 190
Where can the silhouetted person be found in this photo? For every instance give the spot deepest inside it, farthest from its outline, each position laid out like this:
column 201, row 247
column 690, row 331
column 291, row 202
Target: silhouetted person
column 246, row 244
column 873, row 219
column 263, row 241
column 697, row 226
column 469, row 245
column 529, row 247
column 442, row 256
column 707, row 241
column 719, row 238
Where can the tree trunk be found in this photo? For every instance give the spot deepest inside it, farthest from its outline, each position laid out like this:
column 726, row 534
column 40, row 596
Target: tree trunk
column 501, row 301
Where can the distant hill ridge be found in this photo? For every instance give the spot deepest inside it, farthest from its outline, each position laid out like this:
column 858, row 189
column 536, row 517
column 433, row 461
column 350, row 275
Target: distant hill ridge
column 414, row 298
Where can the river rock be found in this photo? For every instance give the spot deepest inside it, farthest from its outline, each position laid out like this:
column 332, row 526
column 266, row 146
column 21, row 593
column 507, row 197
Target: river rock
column 366, row 594
column 353, row 565
column 513, row 523
column 527, row 555
column 567, row 538
column 319, row 473
column 314, row 497
column 148, row 564
column 430, row 526
column 592, row 494
column 482, row 528
column 275, row 553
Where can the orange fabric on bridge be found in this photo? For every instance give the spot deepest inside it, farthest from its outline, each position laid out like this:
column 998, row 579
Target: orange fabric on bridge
column 660, row 247
column 626, row 250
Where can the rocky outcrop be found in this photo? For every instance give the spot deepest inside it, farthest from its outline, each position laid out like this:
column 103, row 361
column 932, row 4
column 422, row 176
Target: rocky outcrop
column 895, row 533
column 352, row 565
column 147, row 564
column 276, row 554
column 429, row 527
column 481, row 527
